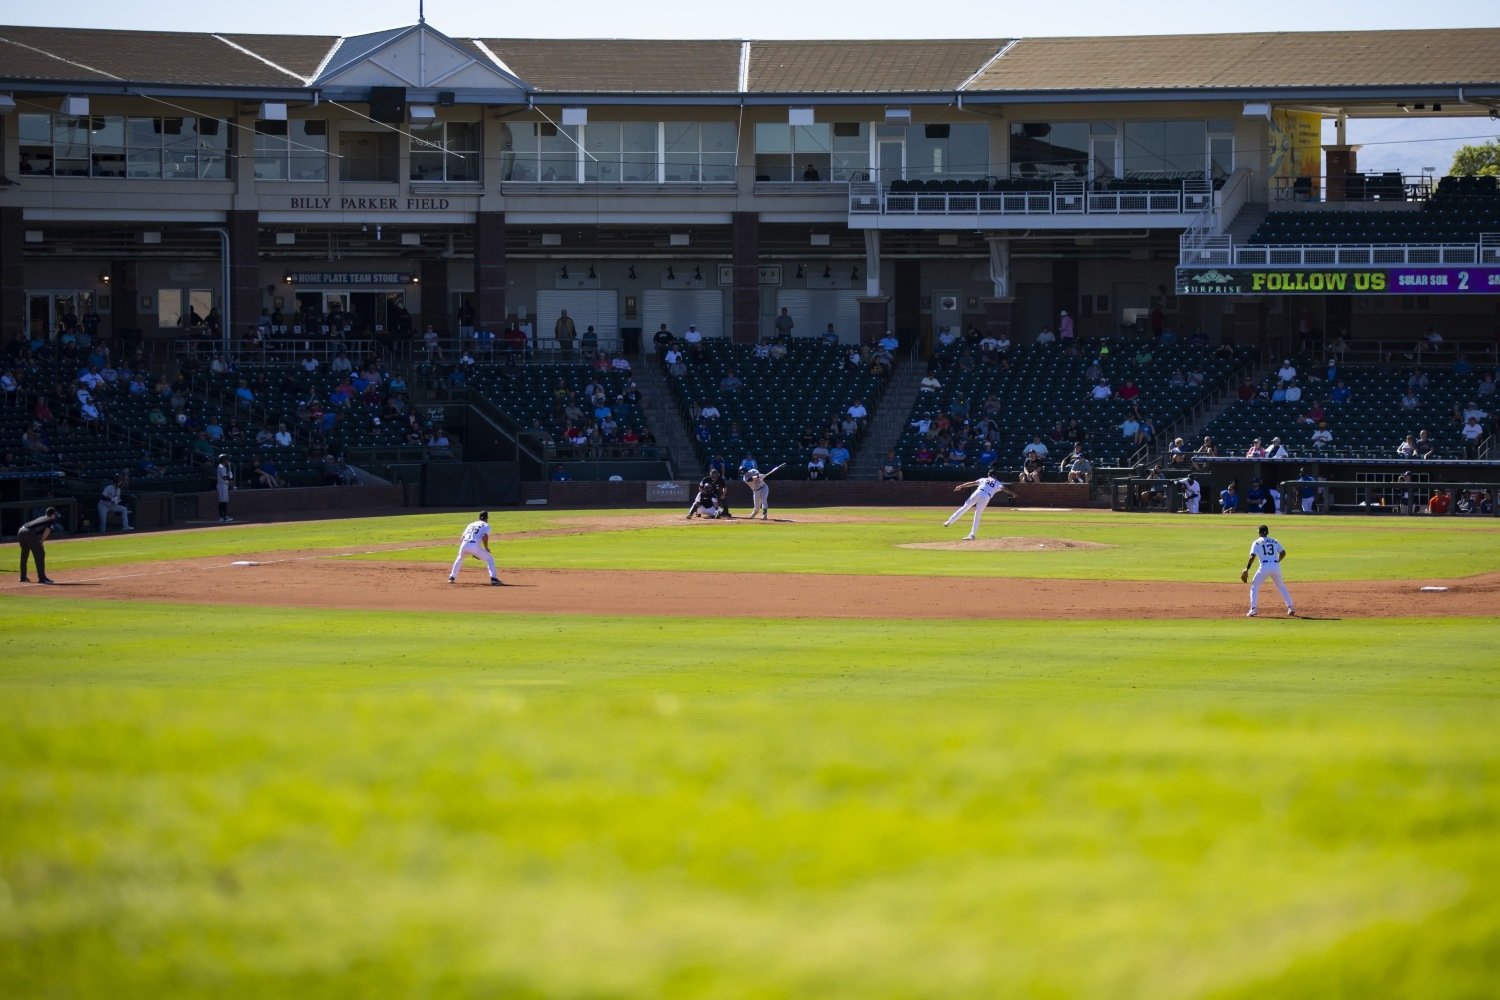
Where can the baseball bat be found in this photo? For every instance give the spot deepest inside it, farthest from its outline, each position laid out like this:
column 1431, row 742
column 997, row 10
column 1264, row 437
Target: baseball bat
column 774, row 471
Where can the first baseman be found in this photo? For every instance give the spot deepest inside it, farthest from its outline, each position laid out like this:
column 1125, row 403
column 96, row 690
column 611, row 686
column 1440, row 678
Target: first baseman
column 1270, row 553
column 985, row 488
column 476, row 542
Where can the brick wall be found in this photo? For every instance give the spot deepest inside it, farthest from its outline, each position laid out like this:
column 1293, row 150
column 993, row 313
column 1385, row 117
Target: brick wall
column 270, row 505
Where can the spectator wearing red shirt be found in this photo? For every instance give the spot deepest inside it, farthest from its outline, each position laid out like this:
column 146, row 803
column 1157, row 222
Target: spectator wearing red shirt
column 1247, row 390
column 1130, row 391
column 1441, row 503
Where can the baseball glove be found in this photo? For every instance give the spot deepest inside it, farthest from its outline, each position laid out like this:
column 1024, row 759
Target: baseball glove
column 1244, row 576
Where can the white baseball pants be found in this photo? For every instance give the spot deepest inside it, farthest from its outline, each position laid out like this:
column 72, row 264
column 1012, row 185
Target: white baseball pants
column 978, row 501
column 473, row 549
column 1273, row 571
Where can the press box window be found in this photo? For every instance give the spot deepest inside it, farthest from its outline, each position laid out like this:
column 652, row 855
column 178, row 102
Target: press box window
column 291, row 150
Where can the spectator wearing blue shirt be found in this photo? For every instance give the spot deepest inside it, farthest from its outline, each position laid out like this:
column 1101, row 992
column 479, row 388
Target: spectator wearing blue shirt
column 1341, row 393
column 1229, row 500
column 838, row 460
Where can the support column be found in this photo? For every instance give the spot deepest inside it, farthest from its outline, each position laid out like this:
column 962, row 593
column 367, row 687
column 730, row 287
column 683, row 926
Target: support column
column 874, row 317
column 999, row 316
column 246, row 294
column 1340, row 160
column 434, row 275
column 1000, row 266
column 124, row 318
column 745, row 295
column 12, row 275
column 872, row 262
column 489, row 278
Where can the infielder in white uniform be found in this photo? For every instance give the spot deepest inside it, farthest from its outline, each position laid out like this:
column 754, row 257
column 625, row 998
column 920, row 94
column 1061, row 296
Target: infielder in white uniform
column 760, row 492
column 985, row 489
column 223, row 480
column 1270, row 553
column 1191, row 494
column 476, row 542
column 110, row 503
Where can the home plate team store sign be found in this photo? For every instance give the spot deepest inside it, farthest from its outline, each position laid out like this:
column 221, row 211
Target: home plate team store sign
column 1454, row 280
column 348, row 278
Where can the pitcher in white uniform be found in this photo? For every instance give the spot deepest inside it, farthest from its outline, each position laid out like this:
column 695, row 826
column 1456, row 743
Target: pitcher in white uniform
column 476, row 542
column 985, row 489
column 1271, row 554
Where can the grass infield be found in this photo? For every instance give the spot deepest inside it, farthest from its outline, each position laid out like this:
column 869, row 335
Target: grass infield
column 217, row 801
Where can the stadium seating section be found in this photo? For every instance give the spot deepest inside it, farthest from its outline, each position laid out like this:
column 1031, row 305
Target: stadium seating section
column 1370, row 425
column 780, row 400
column 1047, row 384
column 1460, row 209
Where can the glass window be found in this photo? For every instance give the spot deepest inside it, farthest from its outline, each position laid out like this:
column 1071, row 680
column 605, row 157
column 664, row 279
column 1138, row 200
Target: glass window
column 143, row 137
column 308, row 150
column 1049, row 150
column 169, row 307
column 1165, row 149
column 638, row 152
column 444, row 151
column 213, row 149
column 115, row 146
column 557, row 153
column 371, row 157
column 271, row 160
column 601, row 143
column 1185, row 147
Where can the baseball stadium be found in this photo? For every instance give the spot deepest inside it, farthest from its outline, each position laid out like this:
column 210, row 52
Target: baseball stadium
column 869, row 438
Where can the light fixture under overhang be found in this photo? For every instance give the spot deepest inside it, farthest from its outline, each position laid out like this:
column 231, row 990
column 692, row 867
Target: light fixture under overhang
column 273, row 111
column 575, row 116
column 799, row 116
column 422, row 112
column 7, row 104
column 1258, row 109
column 75, row 105
column 898, row 116
column 411, row 239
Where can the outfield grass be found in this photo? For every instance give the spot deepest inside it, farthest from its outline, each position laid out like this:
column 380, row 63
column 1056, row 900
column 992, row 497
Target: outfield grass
column 278, row 802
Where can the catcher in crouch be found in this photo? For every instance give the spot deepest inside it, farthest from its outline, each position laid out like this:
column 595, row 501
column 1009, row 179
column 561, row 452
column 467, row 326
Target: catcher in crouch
column 712, row 494
column 760, row 492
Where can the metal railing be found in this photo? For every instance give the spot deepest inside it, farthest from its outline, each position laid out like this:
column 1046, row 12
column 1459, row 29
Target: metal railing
column 1223, row 252
column 1383, row 188
column 1062, row 197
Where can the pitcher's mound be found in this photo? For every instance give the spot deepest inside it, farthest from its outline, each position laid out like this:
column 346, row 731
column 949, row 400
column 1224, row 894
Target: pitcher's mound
column 1029, row 543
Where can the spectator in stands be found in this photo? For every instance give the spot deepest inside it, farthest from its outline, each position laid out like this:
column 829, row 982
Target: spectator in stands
column 1294, row 393
column 859, row 413
column 1432, row 340
column 1068, row 459
column 1046, row 338
column 263, row 474
column 1287, row 372
column 784, row 324
column 930, row 383
column 1476, row 411
column 1130, row 392
column 1462, row 366
column 1418, row 380
column 1322, row 437
column 1246, row 390
column 1130, row 428
column 1036, row 447
column 243, row 395
column 1341, row 393
column 620, row 363
column 1064, row 327
column 1486, row 384
column 1178, row 379
column 1101, row 391
column 1409, row 400
column 816, row 467
column 1278, row 394
column 589, row 342
column 1315, row 414
column 10, row 386
column 1277, row 450
column 283, row 436
column 1256, row 450
column 730, row 384
column 662, row 338
column 890, row 467
column 1407, row 448
column 32, row 441
column 1177, row 454
column 1473, row 433
column 777, row 351
column 1207, row 449
column 1031, row 469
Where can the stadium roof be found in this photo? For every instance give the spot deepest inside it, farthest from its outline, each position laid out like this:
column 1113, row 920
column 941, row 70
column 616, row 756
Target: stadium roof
column 1376, row 67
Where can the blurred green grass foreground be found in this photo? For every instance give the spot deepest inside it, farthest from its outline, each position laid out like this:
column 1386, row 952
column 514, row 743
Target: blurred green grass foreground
column 277, row 802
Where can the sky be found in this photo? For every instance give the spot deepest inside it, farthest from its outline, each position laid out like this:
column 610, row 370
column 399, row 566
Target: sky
column 762, row 19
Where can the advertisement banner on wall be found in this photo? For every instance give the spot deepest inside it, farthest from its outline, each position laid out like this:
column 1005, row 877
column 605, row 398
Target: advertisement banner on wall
column 1296, row 139
column 1434, row 280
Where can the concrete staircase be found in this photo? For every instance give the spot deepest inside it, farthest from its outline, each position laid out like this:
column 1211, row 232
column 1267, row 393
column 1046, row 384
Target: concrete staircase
column 664, row 418
column 888, row 421
column 1247, row 222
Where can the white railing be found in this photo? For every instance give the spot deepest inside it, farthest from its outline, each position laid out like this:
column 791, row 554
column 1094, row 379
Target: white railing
column 1064, row 197
column 1489, row 248
column 1351, row 255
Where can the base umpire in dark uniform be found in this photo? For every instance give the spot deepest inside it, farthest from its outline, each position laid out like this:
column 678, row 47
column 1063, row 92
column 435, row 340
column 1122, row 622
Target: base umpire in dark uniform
column 33, row 536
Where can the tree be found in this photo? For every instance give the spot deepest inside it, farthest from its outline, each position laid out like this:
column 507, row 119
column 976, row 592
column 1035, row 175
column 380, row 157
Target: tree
column 1477, row 160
